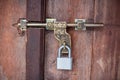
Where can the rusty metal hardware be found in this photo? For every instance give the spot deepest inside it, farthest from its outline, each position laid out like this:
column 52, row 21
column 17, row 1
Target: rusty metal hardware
column 60, row 32
column 79, row 24
column 59, row 29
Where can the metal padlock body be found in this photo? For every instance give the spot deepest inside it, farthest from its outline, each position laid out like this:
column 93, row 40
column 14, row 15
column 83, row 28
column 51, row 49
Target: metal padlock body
column 64, row 63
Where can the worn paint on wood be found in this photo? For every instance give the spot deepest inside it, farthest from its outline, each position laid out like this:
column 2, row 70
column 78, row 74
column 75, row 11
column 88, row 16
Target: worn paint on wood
column 106, row 41
column 35, row 54
column 95, row 52
column 35, row 41
column 12, row 46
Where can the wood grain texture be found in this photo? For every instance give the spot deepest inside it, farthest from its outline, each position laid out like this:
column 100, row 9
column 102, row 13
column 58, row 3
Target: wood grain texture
column 96, row 53
column 106, row 41
column 35, row 54
column 35, row 41
column 105, row 55
column 68, row 10
column 108, row 13
column 12, row 46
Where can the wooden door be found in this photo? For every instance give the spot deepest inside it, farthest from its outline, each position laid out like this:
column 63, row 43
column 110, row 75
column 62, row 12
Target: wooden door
column 95, row 52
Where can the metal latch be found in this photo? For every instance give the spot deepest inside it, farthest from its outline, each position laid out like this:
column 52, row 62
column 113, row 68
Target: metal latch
column 60, row 32
column 79, row 24
column 59, row 28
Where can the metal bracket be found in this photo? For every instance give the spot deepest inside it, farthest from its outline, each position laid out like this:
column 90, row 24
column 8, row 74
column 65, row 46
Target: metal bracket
column 60, row 32
column 80, row 24
column 23, row 23
column 50, row 24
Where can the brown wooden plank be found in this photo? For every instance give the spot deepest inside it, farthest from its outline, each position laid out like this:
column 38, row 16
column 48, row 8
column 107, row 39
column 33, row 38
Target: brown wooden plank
column 117, row 75
column 106, row 41
column 35, row 41
column 105, row 55
column 108, row 13
column 12, row 46
column 35, row 54
column 68, row 10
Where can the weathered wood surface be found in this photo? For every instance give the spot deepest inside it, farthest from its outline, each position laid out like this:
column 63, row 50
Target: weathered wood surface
column 68, row 10
column 35, row 41
column 96, row 52
column 106, row 41
column 35, row 54
column 12, row 46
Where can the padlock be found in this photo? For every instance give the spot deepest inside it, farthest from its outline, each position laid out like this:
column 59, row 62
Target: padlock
column 64, row 63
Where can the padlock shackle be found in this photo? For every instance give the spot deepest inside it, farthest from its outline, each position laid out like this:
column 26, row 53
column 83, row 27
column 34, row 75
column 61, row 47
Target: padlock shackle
column 69, row 50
